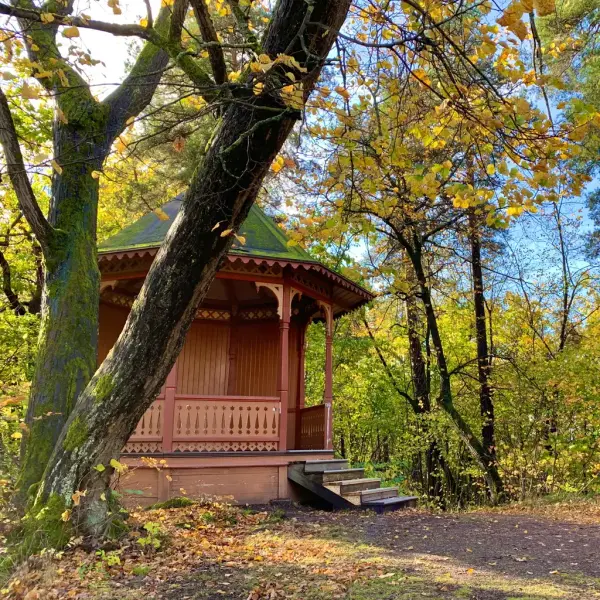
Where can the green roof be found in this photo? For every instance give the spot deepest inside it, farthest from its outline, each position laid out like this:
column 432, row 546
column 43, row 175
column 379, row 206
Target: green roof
column 263, row 237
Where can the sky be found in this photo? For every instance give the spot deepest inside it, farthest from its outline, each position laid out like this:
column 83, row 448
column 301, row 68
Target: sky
column 111, row 50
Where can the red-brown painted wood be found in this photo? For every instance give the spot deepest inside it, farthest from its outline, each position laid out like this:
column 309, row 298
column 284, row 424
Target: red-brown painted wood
column 284, row 370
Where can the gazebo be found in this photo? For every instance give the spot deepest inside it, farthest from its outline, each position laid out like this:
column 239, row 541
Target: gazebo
column 231, row 416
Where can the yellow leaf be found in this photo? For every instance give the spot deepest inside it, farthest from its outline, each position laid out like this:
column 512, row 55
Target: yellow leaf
column 226, row 232
column 96, row 174
column 117, row 466
column 544, row 7
column 76, row 497
column 61, row 116
column 278, row 164
column 71, row 32
column 56, row 166
column 66, row 515
column 342, row 92
column 216, row 226
column 241, row 239
column 163, row 216
column 100, row 467
column 46, row 17
column 422, row 76
column 17, row 435
column 490, row 169
column 29, row 92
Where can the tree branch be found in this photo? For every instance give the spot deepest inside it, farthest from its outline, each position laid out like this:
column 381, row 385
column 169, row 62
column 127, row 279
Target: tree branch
column 18, row 176
column 30, row 14
column 209, row 35
column 136, row 91
column 11, row 296
column 242, row 23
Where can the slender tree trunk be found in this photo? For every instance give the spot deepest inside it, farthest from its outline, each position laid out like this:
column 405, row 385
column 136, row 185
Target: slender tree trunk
column 434, row 459
column 475, row 447
column 222, row 191
column 483, row 358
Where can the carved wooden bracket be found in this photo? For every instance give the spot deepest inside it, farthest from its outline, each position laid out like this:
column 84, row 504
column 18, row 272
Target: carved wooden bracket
column 277, row 289
column 328, row 311
column 107, row 285
column 293, row 293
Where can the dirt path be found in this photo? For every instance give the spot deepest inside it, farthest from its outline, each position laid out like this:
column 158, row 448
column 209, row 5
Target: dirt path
column 222, row 552
column 412, row 555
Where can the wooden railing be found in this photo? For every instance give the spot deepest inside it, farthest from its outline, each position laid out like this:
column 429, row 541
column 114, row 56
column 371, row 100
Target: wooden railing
column 208, row 423
column 312, row 428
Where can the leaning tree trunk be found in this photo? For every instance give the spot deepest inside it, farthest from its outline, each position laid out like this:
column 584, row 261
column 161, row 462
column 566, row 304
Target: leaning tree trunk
column 223, row 189
column 483, row 358
column 475, row 447
column 66, row 357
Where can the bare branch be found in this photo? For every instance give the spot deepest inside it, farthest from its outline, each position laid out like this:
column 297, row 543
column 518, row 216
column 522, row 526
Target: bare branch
column 209, row 34
column 242, row 23
column 13, row 299
column 18, row 176
column 136, row 91
column 59, row 19
column 177, row 19
column 149, row 20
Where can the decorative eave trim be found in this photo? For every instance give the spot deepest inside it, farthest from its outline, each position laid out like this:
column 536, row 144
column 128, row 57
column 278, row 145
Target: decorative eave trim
column 110, row 256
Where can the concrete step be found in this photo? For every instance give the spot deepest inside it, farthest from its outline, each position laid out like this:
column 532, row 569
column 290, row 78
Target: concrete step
column 389, row 504
column 319, row 466
column 343, row 475
column 362, row 496
column 352, row 485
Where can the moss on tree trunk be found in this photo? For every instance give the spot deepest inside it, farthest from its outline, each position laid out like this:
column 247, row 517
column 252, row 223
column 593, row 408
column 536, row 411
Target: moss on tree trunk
column 67, row 344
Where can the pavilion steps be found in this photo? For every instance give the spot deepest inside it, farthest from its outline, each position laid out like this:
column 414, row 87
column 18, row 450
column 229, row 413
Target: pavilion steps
column 331, row 484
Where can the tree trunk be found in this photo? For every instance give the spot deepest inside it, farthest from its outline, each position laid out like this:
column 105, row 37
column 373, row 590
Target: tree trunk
column 434, row 459
column 67, row 343
column 83, row 135
column 222, row 191
column 475, row 447
column 483, row 358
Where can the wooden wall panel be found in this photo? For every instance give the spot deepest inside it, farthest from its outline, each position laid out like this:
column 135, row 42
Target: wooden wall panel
column 250, row 485
column 111, row 322
column 257, row 358
column 203, row 365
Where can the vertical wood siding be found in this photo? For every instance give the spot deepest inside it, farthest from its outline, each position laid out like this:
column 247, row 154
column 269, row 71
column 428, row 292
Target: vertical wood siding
column 111, row 322
column 257, row 358
column 203, row 365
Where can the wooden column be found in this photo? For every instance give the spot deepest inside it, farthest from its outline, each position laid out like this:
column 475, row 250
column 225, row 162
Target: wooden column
column 284, row 373
column 328, row 394
column 300, row 396
column 169, row 413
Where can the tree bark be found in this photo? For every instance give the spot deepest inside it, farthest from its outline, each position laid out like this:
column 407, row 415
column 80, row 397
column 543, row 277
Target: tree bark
column 483, row 358
column 222, row 191
column 67, row 343
column 475, row 447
